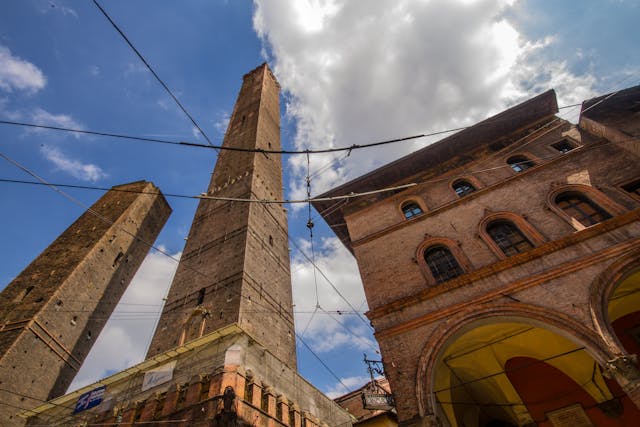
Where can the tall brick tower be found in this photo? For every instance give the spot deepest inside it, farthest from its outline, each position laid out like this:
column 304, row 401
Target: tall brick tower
column 51, row 314
column 224, row 349
column 235, row 265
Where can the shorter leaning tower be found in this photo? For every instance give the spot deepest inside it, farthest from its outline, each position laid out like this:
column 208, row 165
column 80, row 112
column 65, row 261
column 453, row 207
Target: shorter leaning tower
column 51, row 314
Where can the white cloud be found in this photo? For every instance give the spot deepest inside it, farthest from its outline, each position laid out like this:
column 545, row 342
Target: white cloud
column 222, row 122
column 333, row 324
column 18, row 74
column 43, row 117
column 126, row 336
column 59, row 6
column 133, row 68
column 351, row 383
column 75, row 168
column 7, row 113
column 163, row 104
column 195, row 132
column 396, row 68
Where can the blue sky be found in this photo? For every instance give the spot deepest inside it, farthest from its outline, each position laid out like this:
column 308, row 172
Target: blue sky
column 352, row 72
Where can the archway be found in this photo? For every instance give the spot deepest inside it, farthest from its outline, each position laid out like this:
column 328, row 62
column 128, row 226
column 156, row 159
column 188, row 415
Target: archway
column 481, row 377
column 623, row 310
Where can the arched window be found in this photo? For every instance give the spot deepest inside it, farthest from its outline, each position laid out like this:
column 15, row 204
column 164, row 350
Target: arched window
column 508, row 237
column 442, row 263
column 462, row 188
column 411, row 209
column 520, row 163
column 581, row 208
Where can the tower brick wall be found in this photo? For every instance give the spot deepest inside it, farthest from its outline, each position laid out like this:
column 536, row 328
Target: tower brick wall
column 51, row 314
column 235, row 264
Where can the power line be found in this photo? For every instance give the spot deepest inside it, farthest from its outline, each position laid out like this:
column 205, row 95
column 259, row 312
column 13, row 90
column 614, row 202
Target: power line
column 150, row 245
column 204, row 196
column 495, row 374
column 223, row 147
column 322, row 362
column 144, row 61
column 348, row 149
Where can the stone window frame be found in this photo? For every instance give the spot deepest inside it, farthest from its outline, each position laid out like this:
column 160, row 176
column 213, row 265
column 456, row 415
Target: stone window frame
column 530, row 158
column 591, row 193
column 627, row 184
column 528, row 230
column 468, row 178
column 412, row 200
column 569, row 141
column 453, row 247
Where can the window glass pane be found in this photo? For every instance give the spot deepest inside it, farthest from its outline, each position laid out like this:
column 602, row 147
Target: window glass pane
column 410, row 210
column 463, row 188
column 508, row 238
column 442, row 264
column 520, row 163
column 581, row 208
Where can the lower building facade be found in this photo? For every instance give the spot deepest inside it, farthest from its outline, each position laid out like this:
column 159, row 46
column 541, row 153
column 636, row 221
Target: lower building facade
column 225, row 378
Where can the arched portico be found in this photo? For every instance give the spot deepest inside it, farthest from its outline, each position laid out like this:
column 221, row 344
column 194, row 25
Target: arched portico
column 464, row 363
column 615, row 309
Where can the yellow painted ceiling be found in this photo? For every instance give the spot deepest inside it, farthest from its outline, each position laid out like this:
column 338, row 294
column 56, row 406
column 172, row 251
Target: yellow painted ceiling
column 477, row 358
column 625, row 298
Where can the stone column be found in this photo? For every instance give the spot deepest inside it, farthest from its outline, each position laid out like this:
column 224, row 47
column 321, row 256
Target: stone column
column 624, row 369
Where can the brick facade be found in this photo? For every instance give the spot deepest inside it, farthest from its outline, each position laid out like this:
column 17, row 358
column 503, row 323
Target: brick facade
column 556, row 286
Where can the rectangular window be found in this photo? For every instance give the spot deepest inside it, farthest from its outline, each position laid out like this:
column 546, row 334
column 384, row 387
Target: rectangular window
column 633, row 188
column 563, row 146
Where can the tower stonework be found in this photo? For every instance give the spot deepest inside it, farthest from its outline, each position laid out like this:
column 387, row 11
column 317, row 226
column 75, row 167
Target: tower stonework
column 223, row 353
column 235, row 265
column 51, row 314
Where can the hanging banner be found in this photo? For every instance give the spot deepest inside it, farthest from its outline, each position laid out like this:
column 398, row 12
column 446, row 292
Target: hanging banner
column 158, row 375
column 90, row 399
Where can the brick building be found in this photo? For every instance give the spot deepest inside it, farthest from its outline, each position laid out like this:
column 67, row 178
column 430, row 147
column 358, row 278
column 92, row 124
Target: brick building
column 52, row 312
column 504, row 285
column 365, row 415
column 223, row 353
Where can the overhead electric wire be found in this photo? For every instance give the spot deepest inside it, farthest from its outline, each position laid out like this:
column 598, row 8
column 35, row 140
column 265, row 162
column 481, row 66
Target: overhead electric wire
column 340, row 198
column 346, row 328
column 322, row 362
column 144, row 61
column 223, row 147
column 223, row 199
column 150, row 245
column 475, row 380
column 313, row 252
column 348, row 149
